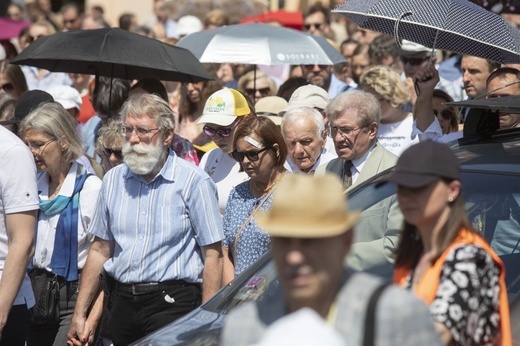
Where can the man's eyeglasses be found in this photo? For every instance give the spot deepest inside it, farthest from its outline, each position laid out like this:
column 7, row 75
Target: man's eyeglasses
column 307, row 27
column 117, row 153
column 141, row 132
column 311, row 67
column 446, row 114
column 343, row 131
column 7, row 87
column 211, row 132
column 252, row 156
column 414, row 61
column 262, row 91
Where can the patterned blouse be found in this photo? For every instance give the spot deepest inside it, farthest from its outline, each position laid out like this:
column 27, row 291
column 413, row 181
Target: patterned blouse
column 253, row 242
column 184, row 149
column 467, row 300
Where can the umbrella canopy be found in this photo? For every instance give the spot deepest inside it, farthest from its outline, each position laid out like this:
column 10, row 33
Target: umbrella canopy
column 454, row 25
column 115, row 53
column 263, row 44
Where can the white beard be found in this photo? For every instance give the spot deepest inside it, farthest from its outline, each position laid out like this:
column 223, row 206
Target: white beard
column 142, row 158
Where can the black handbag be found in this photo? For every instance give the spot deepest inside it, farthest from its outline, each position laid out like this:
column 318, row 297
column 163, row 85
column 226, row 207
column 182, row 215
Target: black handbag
column 46, row 290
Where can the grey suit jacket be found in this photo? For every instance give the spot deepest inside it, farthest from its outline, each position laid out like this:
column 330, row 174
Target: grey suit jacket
column 378, row 229
column 401, row 318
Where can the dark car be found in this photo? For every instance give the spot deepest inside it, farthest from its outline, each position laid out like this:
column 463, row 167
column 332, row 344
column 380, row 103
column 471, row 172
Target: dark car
column 490, row 174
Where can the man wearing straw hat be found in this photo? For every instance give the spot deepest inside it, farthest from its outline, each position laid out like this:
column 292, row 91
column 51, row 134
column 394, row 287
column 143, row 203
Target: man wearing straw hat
column 312, row 230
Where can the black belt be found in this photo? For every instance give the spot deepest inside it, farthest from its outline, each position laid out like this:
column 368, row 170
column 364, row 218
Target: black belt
column 152, row 287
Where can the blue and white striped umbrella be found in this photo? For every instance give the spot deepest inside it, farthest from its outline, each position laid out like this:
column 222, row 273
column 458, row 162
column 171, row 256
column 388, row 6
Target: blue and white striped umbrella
column 454, row 25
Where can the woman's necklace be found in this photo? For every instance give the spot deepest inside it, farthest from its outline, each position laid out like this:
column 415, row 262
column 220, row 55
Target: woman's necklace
column 57, row 189
column 269, row 187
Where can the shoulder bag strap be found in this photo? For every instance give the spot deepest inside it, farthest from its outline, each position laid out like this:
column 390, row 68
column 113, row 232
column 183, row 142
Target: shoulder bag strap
column 370, row 318
column 247, row 221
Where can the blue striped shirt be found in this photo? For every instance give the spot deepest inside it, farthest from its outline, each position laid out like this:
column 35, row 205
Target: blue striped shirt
column 158, row 226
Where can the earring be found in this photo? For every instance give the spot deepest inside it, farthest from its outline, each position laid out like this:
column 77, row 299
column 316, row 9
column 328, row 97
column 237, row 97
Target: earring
column 450, row 199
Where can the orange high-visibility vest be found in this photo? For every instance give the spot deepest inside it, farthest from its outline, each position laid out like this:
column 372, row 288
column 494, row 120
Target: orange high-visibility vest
column 427, row 287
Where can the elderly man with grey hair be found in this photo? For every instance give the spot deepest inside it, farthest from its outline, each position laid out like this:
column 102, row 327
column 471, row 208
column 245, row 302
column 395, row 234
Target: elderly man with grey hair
column 157, row 231
column 354, row 121
column 305, row 135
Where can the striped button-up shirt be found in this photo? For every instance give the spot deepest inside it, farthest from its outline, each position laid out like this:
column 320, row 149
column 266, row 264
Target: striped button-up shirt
column 159, row 226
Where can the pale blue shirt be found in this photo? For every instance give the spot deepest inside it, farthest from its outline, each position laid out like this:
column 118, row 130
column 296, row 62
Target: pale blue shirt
column 158, row 226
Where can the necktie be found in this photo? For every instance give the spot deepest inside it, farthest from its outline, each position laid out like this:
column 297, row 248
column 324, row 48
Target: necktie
column 347, row 174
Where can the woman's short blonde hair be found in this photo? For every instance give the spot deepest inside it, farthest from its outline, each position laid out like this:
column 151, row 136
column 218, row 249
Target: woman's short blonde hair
column 250, row 76
column 386, row 83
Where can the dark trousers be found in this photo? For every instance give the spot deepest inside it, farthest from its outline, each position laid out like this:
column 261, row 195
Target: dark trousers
column 17, row 326
column 56, row 334
column 135, row 316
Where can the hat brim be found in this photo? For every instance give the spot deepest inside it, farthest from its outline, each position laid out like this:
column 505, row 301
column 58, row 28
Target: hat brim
column 412, row 180
column 9, row 122
column 274, row 118
column 302, row 228
column 217, row 119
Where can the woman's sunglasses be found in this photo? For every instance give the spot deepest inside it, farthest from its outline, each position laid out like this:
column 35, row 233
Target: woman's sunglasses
column 252, row 156
column 211, row 132
column 117, row 153
column 446, row 114
column 262, row 91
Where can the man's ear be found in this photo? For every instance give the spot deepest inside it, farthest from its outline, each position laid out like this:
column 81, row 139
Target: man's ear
column 372, row 130
column 168, row 137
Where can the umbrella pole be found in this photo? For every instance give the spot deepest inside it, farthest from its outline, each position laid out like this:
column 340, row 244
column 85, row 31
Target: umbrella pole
column 433, row 49
column 254, row 81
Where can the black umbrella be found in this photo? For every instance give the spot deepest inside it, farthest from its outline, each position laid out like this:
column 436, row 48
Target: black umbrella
column 115, row 53
column 454, row 25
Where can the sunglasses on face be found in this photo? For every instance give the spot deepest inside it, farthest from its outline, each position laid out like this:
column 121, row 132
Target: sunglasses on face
column 211, row 132
column 315, row 25
column 117, row 153
column 311, row 67
column 7, row 87
column 446, row 114
column 252, row 155
column 414, row 61
column 262, row 91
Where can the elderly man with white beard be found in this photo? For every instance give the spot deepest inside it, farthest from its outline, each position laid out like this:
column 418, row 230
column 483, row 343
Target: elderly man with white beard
column 158, row 233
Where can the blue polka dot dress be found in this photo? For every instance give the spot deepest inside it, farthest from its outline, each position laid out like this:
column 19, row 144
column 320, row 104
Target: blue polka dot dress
column 252, row 242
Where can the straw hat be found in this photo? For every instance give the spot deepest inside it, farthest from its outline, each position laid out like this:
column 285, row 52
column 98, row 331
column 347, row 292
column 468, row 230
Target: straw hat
column 308, row 207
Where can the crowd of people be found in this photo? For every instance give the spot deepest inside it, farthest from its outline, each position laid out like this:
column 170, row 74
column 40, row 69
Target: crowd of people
column 140, row 199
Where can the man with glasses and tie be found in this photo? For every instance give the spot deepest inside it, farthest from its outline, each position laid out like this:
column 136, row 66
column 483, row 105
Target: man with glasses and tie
column 157, row 232
column 354, row 119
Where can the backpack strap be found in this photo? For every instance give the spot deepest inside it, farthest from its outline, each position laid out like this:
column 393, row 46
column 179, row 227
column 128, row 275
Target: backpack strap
column 370, row 318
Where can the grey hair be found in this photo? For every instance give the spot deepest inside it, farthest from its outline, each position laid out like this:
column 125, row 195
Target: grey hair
column 149, row 105
column 54, row 121
column 304, row 113
column 110, row 135
column 367, row 106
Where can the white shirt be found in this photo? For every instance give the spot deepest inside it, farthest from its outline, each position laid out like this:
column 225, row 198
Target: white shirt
column 224, row 171
column 396, row 137
column 434, row 133
column 46, row 229
column 18, row 193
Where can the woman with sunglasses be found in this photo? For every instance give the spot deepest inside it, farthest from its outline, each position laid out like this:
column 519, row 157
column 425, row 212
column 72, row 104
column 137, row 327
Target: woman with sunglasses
column 109, row 144
column 260, row 149
column 222, row 113
column 257, row 88
column 12, row 80
column 440, row 258
column 433, row 119
column 68, row 198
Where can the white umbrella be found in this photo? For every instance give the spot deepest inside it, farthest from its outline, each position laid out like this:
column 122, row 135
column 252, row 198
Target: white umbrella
column 263, row 44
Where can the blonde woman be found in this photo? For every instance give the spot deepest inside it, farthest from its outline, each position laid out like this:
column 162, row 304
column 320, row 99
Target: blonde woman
column 257, row 88
column 395, row 128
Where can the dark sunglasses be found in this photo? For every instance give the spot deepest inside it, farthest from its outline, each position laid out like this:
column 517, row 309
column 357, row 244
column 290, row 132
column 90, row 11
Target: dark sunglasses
column 7, row 87
column 309, row 26
column 262, row 91
column 31, row 39
column 311, row 67
column 251, row 155
column 414, row 61
column 117, row 153
column 446, row 114
column 211, row 132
